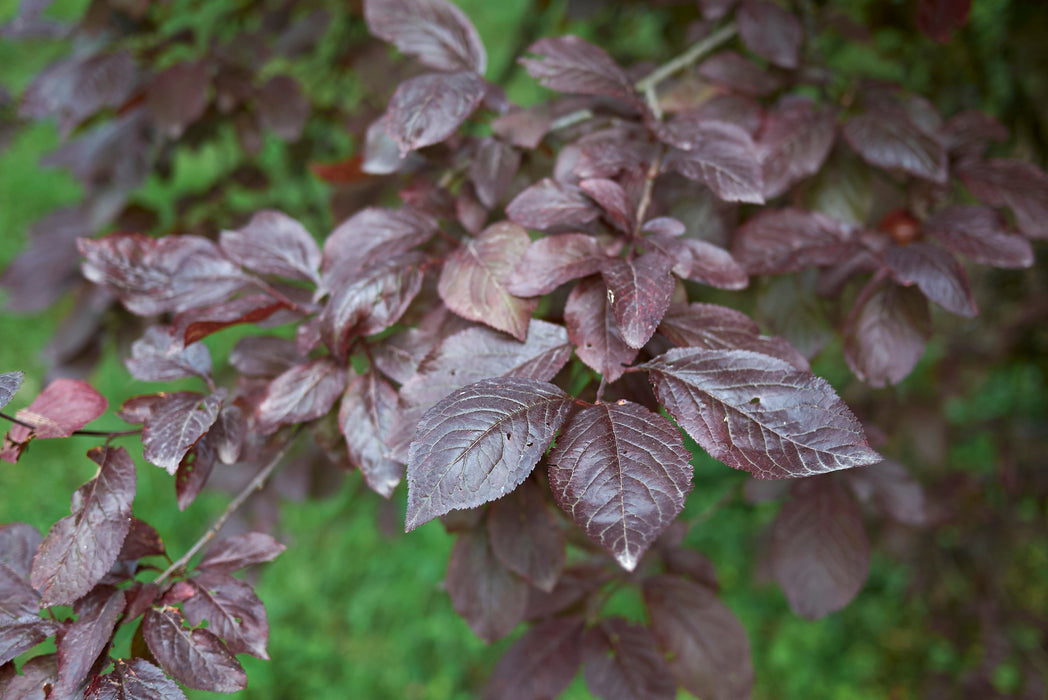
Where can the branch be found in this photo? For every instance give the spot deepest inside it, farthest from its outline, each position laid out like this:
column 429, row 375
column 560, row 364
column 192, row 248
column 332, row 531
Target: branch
column 257, row 483
column 697, row 51
column 95, row 433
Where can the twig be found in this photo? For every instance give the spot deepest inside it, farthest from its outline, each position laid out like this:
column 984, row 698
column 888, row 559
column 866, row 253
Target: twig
column 254, row 485
column 698, row 50
column 95, row 433
column 645, row 197
column 571, row 119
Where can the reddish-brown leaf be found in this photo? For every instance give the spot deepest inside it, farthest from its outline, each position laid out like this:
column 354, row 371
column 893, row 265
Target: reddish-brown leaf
column 593, row 330
column 770, row 32
column 174, row 424
column 232, row 610
column 84, row 639
column 429, row 108
column 159, row 357
column 936, row 273
column 525, row 537
column 273, row 243
column 980, row 234
column 553, row 260
column 365, row 417
column 540, row 664
column 1022, row 187
column 435, row 31
column 622, row 662
column 178, row 96
column 302, row 393
column 196, row 658
column 487, row 595
column 136, row 679
column 232, row 553
column 886, row 337
column 551, row 204
column 639, row 292
column 573, row 65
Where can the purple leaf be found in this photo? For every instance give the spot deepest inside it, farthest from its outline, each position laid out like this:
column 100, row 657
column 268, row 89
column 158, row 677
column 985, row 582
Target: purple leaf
column 819, row 551
column 744, row 112
column 622, row 473
column 613, row 200
column 233, row 553
column 373, row 235
column 1022, row 187
column 10, row 382
column 939, row 19
column 21, row 627
column 553, row 260
column 525, row 537
column 793, row 144
column 759, row 413
column 593, row 331
column 980, row 234
column 540, row 664
column 153, row 276
column 967, row 134
column 76, row 88
column 487, row 595
column 664, row 226
column 887, row 137
column 473, row 281
column 142, row 541
column 734, row 72
column 193, row 471
column 158, row 357
column 524, row 128
column 264, row 356
column 708, row 649
column 610, row 152
column 300, row 394
column 282, row 108
column 364, row 418
column 577, row 582
column 770, row 32
column 18, row 545
column 492, row 170
column 62, row 408
column 548, row 204
column 196, row 658
column 429, row 108
column 936, row 273
column 177, row 420
column 80, row 548
column 38, row 677
column 232, row 610
column 573, row 65
column 480, row 443
column 721, row 156
column 719, row 328
column 273, row 243
column 136, row 679
column 400, row 354
column 623, row 663
column 787, row 240
column 178, row 96
column 886, row 338
column 639, row 292
column 714, row 266
column 196, row 324
column 892, row 490
column 83, row 640
column 381, row 153
column 435, row 31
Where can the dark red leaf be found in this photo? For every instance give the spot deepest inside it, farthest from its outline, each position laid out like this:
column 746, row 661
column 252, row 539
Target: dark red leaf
column 282, row 108
column 819, row 551
column 787, row 240
column 540, row 664
column 153, row 276
column 770, row 32
column 575, row 584
column 936, row 273
column 80, row 548
column 622, row 473
column 142, row 540
column 139, row 598
column 273, row 243
column 10, row 382
column 232, row 553
column 429, row 108
column 196, row 324
column 435, row 31
column 364, row 418
column 665, row 226
column 553, row 260
column 232, row 610
column 716, row 327
column 639, row 292
column 158, row 357
column 136, row 679
column 980, row 234
column 939, row 19
column 708, row 649
column 967, row 134
column 76, row 88
column 62, row 408
column 734, row 72
column 373, row 235
column 196, row 658
column 886, row 338
column 793, row 143
column 176, row 421
column 525, row 537
column 83, row 640
column 18, row 546
column 714, row 266
column 300, row 394
column 400, row 354
column 178, row 96
column 487, row 595
column 524, row 128
column 891, row 489
column 743, row 112
column 593, row 331
column 613, row 200
column 548, row 204
column 264, row 356
column 480, row 443
column 759, row 413
column 21, row 627
column 887, row 137
column 610, row 152
column 570, row 64
column 721, row 156
column 1022, row 187
column 623, row 663
column 492, row 170
column 193, row 472
column 474, row 279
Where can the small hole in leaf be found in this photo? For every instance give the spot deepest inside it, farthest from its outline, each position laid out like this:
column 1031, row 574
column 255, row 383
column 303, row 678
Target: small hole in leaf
column 509, row 436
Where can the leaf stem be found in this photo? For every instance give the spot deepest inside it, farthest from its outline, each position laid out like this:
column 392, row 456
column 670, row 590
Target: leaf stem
column 645, row 197
column 95, row 433
column 254, row 485
column 697, row 51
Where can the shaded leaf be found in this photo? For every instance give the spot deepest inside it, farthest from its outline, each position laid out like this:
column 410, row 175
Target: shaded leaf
column 237, row 551
column 300, row 394
column 793, row 143
column 282, row 107
column 176, row 421
column 819, row 551
column 936, row 273
column 193, row 472
column 721, row 156
column 38, row 676
column 364, row 418
column 593, row 330
column 196, row 658
column 1022, row 187
column 573, row 65
column 232, row 610
column 435, row 31
column 492, row 170
column 136, row 679
column 549, row 203
column 939, row 19
column 968, row 133
column 73, row 89
column 264, row 356
column 639, row 292
column 886, row 137
column 979, row 233
column 610, row 152
column 21, row 627
column 540, row 664
column 159, row 357
column 525, row 537
column 707, row 646
column 18, row 546
column 891, row 489
column 770, row 32
column 196, row 324
column 84, row 639
column 429, row 108
column 734, row 72
column 375, row 234
column 613, row 200
column 142, row 540
column 575, row 584
column 80, row 548
column 474, row 279
column 716, row 327
column 623, row 663
column 776, row 241
column 480, row 443
column 553, row 260
column 759, row 413
column 487, row 595
column 714, row 266
column 622, row 473
column 178, row 96
column 10, row 382
column 886, row 337
column 273, row 243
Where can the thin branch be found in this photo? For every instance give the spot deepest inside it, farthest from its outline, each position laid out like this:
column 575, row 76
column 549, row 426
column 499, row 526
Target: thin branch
column 95, row 433
column 697, row 51
column 571, row 119
column 257, row 483
column 645, row 197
